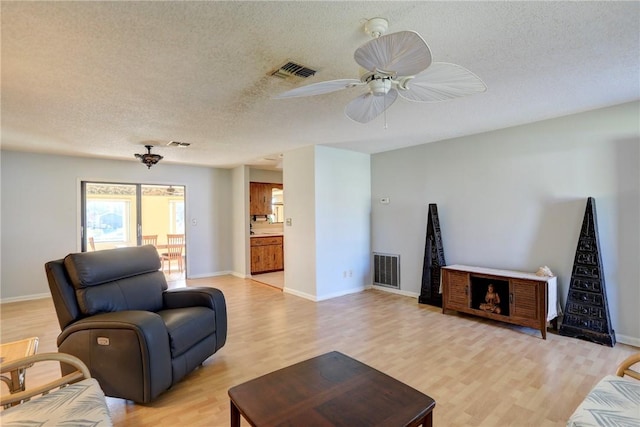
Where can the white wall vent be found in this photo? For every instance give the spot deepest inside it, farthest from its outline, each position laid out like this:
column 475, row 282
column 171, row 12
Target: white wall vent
column 292, row 69
column 386, row 270
column 178, row 144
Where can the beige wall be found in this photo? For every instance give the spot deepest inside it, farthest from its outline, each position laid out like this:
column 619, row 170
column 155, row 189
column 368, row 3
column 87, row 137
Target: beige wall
column 40, row 213
column 515, row 199
column 155, row 216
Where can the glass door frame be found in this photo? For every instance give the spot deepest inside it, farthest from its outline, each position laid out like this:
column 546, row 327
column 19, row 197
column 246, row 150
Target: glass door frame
column 138, row 209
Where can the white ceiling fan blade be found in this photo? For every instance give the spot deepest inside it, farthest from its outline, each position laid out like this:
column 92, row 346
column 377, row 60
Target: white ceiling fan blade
column 442, row 81
column 320, row 88
column 405, row 53
column 368, row 106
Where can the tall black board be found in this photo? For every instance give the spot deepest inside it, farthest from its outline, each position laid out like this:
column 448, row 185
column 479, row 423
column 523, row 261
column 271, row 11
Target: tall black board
column 433, row 260
column 586, row 313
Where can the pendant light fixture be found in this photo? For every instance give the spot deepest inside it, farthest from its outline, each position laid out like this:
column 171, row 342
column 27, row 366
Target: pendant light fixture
column 148, row 158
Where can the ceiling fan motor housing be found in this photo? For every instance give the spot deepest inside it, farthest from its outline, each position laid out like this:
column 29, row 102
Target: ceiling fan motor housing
column 376, row 27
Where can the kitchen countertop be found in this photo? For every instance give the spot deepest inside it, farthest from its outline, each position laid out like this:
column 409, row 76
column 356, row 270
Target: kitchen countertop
column 270, row 234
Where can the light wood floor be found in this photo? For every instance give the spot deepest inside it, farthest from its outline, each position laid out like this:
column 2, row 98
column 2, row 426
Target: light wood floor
column 480, row 373
column 275, row 278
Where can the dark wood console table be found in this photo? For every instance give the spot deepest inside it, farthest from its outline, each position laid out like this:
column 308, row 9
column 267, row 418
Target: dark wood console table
column 525, row 299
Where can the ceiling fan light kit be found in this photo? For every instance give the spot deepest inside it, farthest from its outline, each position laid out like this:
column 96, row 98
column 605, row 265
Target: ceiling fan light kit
column 396, row 64
column 380, row 87
column 148, row 158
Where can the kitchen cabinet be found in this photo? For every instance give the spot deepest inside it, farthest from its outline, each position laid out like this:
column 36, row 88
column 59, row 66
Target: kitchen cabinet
column 260, row 195
column 267, row 254
column 259, row 198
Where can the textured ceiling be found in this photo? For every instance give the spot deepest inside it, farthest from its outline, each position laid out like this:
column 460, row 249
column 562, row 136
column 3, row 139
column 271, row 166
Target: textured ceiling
column 105, row 78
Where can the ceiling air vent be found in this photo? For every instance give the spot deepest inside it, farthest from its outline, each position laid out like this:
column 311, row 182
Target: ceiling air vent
column 292, row 69
column 178, row 144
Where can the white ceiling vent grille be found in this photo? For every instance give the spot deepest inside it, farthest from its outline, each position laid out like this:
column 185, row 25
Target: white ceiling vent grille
column 178, row 144
column 292, row 69
column 386, row 270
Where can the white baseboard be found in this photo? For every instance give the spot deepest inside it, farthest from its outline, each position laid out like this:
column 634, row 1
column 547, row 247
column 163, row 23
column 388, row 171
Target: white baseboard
column 299, row 294
column 625, row 339
column 396, row 291
column 24, row 298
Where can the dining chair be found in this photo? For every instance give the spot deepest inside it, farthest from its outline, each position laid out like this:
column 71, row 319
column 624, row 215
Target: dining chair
column 151, row 239
column 175, row 243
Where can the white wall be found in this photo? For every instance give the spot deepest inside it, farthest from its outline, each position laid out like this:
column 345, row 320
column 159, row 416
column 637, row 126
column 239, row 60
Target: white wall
column 327, row 197
column 240, row 221
column 40, row 213
column 263, row 175
column 515, row 199
column 343, row 212
column 299, row 238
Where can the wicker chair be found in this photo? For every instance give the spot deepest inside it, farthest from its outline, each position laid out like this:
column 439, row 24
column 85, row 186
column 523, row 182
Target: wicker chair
column 615, row 399
column 72, row 399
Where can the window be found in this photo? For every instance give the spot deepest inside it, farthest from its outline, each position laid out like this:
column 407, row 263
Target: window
column 108, row 220
column 176, row 216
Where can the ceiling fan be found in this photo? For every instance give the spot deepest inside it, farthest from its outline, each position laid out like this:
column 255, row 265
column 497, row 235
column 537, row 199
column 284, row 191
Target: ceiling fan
column 396, row 64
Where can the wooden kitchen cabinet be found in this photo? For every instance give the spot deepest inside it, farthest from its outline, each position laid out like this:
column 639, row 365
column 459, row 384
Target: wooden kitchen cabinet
column 524, row 299
column 259, row 198
column 260, row 195
column 267, row 254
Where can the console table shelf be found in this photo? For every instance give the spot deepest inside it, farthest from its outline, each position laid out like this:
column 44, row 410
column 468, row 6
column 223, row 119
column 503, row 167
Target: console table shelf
column 515, row 297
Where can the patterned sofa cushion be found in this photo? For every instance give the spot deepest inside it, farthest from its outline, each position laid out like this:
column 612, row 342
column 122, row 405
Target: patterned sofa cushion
column 80, row 404
column 614, row 401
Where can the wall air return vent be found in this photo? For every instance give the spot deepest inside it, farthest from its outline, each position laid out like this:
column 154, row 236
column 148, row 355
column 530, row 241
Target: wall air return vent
column 386, row 270
column 292, row 69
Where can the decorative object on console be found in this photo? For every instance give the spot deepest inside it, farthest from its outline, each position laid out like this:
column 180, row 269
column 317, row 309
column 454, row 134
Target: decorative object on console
column 587, row 311
column 433, row 260
column 148, row 158
column 544, row 272
column 396, row 64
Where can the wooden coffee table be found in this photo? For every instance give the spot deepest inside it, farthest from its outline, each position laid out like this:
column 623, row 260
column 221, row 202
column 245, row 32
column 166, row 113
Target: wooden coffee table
column 329, row 390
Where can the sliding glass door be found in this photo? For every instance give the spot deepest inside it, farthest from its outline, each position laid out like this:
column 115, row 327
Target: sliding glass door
column 118, row 215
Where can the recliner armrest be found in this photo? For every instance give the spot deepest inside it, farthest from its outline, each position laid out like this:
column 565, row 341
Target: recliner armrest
column 146, row 323
column 192, row 297
column 205, row 297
